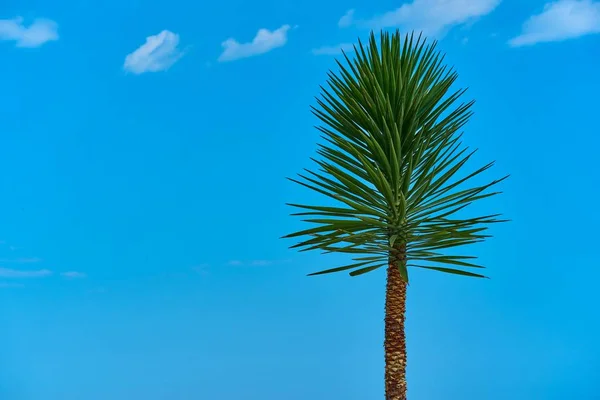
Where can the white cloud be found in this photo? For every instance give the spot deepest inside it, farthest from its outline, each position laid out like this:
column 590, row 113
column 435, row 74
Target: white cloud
column 73, row 274
column 560, row 20
column 433, row 17
column 40, row 31
column 14, row 273
column 347, row 19
column 234, row 262
column 333, row 50
column 158, row 53
column 263, row 42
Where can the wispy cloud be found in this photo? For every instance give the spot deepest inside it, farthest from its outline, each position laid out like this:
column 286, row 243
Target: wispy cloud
column 333, row 50
column 11, row 285
column 432, row 17
column 560, row 20
column 158, row 53
column 40, row 31
column 15, row 273
column 263, row 42
column 73, row 275
column 347, row 19
column 256, row 263
column 261, row 262
column 24, row 260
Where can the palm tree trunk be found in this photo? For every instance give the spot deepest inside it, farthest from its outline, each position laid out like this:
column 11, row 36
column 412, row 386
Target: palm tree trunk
column 395, row 339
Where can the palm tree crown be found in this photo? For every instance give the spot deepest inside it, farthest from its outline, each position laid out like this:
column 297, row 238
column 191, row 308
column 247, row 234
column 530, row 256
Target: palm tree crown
column 393, row 160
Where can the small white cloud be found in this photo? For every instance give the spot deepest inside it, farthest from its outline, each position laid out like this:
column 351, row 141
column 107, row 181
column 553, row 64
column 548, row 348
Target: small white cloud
column 333, row 50
column 15, row 273
column 433, row 17
column 40, row 31
column 347, row 19
column 158, row 53
column 73, row 274
column 234, row 262
column 560, row 20
column 263, row 42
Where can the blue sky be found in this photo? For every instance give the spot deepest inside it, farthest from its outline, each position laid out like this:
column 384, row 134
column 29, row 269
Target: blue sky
column 144, row 147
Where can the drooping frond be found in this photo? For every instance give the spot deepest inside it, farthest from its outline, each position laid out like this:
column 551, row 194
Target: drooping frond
column 393, row 161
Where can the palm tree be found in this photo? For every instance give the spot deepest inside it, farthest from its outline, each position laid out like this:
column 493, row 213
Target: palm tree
column 392, row 163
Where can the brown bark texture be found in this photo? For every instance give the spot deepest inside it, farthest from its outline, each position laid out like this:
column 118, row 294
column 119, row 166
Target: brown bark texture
column 395, row 339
